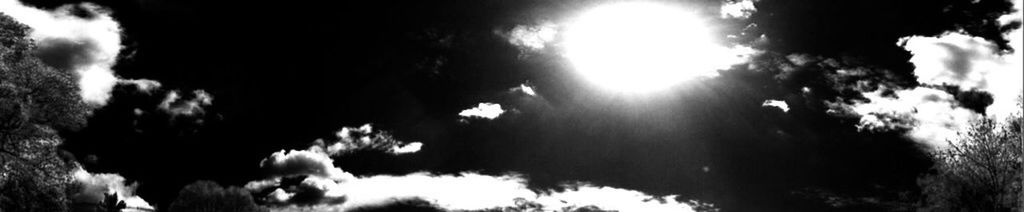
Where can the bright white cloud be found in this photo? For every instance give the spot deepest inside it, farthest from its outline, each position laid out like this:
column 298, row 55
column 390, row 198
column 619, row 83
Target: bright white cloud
column 777, row 104
column 737, row 9
column 96, row 186
column 611, row 199
column 973, row 63
column 483, row 110
column 932, row 116
column 526, row 89
column 468, row 192
column 408, row 148
column 96, row 82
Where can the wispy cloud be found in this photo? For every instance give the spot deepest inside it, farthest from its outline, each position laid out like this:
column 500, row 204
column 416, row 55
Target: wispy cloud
column 193, row 105
column 143, row 85
column 350, row 139
column 932, row 116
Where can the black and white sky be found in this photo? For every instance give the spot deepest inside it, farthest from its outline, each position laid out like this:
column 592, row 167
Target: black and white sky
column 471, row 104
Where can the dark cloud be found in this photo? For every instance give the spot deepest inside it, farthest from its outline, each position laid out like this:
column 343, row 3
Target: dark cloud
column 66, row 54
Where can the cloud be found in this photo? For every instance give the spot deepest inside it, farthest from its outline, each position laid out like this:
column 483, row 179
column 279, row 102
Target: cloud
column 143, row 85
column 534, row 37
column 737, row 9
column 526, row 89
column 175, row 105
column 80, row 37
column 351, row 139
column 961, row 64
column 466, row 191
column 932, row 116
column 96, row 186
column 307, row 180
column 973, row 63
column 777, row 104
column 408, row 148
column 258, row 185
column 881, row 100
column 483, row 110
column 609, row 198
column 316, row 160
column 302, row 162
column 952, row 69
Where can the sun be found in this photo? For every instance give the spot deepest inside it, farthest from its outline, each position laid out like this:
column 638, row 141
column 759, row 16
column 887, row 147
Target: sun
column 640, row 46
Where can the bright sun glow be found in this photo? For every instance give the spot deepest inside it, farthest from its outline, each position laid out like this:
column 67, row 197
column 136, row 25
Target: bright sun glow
column 641, row 47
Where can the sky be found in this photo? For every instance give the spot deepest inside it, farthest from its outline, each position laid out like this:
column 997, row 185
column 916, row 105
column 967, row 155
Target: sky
column 472, row 104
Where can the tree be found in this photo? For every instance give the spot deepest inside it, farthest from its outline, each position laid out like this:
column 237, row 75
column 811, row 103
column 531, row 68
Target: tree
column 980, row 172
column 35, row 101
column 206, row 196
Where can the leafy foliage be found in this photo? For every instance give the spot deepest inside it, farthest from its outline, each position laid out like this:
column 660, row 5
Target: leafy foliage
column 35, row 100
column 206, row 196
column 980, row 172
column 32, row 93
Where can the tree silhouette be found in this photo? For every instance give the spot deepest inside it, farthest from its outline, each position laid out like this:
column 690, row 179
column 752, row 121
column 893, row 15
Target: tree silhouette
column 112, row 204
column 980, row 172
column 206, row 196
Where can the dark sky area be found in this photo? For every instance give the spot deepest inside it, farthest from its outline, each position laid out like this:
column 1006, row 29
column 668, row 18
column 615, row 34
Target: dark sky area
column 285, row 73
